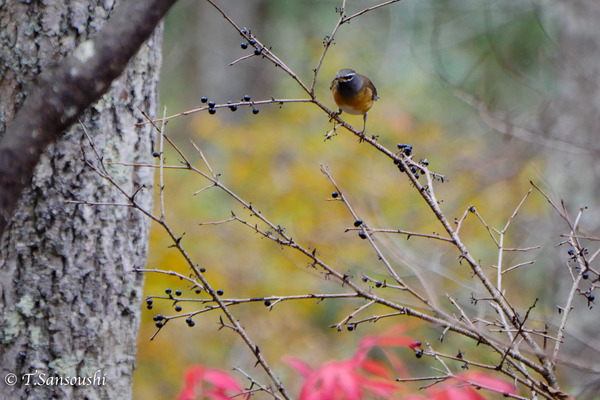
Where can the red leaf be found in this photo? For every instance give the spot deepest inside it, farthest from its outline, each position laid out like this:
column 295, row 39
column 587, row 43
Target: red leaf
column 488, row 382
column 376, row 368
column 204, row 383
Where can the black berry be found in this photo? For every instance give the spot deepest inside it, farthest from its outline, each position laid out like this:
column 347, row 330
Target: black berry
column 267, row 303
column 252, row 42
column 168, row 291
column 358, row 223
column 335, row 195
column 212, row 111
column 220, row 292
column 159, row 324
column 255, row 111
column 246, row 98
column 244, row 46
column 204, row 99
column 178, row 293
column 257, row 52
column 362, row 235
column 178, row 308
column 156, row 154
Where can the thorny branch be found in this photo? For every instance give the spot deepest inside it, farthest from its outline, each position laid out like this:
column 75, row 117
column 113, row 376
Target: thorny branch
column 512, row 360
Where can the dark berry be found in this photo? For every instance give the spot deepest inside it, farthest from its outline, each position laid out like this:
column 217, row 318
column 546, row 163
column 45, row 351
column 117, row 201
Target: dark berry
column 233, row 108
column 178, row 293
column 211, row 104
column 149, row 301
column 419, row 354
column 255, row 111
column 358, row 223
column 267, row 303
column 244, row 31
column 350, row 328
column 204, row 99
column 203, row 270
column 168, row 291
column 244, row 46
column 159, row 317
column 198, row 291
column 335, row 195
column 190, row 321
column 252, row 42
column 585, row 275
column 408, row 150
column 364, row 279
column 246, row 98
column 156, row 154
column 149, row 306
column 178, row 308
column 571, row 252
column 591, row 297
column 220, row 292
column 257, row 52
column 159, row 324
column 413, row 170
column 362, row 235
column 378, row 284
column 212, row 111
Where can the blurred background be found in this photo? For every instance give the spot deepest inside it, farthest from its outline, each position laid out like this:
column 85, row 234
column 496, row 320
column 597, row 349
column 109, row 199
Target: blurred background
column 493, row 94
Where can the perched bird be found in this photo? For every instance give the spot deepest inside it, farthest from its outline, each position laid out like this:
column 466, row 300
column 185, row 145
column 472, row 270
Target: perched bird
column 353, row 93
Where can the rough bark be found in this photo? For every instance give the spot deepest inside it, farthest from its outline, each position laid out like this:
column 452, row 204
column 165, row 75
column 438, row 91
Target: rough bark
column 61, row 93
column 69, row 299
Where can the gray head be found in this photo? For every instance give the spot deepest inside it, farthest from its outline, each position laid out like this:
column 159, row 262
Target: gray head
column 345, row 75
column 349, row 82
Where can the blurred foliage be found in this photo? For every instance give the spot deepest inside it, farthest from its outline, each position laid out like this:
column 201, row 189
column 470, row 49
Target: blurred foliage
column 273, row 159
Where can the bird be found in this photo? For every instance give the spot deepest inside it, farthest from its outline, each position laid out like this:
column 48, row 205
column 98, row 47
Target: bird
column 353, row 93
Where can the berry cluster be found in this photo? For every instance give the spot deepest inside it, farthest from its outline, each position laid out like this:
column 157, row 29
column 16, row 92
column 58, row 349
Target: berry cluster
column 212, row 106
column 252, row 42
column 175, row 296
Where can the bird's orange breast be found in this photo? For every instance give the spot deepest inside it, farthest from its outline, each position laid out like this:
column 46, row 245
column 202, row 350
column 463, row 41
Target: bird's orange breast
column 357, row 104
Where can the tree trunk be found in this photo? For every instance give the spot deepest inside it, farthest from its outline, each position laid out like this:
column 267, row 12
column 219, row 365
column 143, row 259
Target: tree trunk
column 70, row 301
